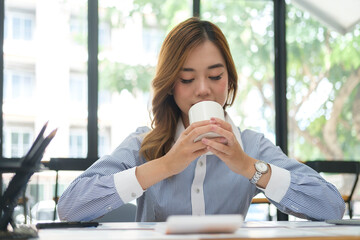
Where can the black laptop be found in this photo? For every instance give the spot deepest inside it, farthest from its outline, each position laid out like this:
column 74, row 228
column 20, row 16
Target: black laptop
column 30, row 163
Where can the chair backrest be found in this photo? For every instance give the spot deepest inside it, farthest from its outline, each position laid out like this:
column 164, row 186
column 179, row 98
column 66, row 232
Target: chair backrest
column 328, row 166
column 125, row 213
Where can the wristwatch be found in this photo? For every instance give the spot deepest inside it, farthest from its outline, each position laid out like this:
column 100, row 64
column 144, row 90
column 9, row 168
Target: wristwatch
column 261, row 168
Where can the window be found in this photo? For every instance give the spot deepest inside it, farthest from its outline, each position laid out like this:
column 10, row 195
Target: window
column 133, row 31
column 78, row 89
column 323, row 93
column 19, row 26
column 104, row 97
column 104, row 35
column 45, row 76
column 104, row 142
column 78, row 29
column 18, row 85
column 17, row 141
column 323, row 89
column 78, row 143
column 252, row 49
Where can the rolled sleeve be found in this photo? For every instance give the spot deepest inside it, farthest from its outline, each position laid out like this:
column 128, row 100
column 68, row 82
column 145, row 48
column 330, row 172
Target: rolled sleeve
column 127, row 185
column 278, row 184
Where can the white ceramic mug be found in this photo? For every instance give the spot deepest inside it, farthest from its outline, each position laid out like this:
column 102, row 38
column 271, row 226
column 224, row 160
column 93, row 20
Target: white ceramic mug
column 205, row 110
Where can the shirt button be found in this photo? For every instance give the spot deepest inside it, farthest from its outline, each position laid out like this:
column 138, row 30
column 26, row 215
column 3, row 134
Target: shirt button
column 109, row 208
column 133, row 195
column 197, row 190
column 201, row 163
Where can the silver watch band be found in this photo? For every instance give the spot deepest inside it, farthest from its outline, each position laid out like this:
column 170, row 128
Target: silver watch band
column 256, row 177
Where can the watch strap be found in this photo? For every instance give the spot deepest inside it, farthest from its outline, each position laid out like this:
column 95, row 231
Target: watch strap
column 258, row 172
column 256, row 177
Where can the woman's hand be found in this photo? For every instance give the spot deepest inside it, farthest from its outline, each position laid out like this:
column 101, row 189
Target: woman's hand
column 185, row 150
column 182, row 153
column 228, row 149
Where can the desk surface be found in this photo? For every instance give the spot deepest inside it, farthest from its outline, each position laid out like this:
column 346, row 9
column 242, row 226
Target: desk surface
column 253, row 230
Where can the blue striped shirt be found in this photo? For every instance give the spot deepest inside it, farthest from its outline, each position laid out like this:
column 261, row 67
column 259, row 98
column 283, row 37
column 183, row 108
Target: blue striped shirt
column 111, row 182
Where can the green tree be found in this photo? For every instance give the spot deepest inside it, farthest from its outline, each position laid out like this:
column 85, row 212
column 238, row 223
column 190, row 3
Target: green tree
column 321, row 61
column 116, row 77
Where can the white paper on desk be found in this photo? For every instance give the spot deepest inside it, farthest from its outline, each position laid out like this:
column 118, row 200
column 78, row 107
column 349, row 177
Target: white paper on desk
column 201, row 224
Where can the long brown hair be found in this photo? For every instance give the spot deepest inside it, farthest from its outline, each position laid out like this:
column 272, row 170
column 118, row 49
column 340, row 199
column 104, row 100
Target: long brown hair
column 175, row 48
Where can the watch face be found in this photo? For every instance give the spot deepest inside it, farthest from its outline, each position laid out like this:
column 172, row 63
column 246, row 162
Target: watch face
column 261, row 167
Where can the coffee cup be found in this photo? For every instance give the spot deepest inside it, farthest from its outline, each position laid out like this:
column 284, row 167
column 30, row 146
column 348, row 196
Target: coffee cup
column 206, row 110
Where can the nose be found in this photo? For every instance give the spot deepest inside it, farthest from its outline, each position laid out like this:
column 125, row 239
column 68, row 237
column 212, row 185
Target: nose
column 203, row 87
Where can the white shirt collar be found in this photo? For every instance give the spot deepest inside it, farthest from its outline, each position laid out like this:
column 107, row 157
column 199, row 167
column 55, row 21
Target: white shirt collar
column 180, row 128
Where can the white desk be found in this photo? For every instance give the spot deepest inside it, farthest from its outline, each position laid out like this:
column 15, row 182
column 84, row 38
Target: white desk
column 252, row 230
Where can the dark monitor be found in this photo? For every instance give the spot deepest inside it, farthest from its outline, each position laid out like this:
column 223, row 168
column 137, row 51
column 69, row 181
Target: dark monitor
column 29, row 164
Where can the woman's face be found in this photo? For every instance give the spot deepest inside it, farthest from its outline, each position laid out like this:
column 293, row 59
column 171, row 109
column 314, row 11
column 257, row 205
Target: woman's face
column 203, row 77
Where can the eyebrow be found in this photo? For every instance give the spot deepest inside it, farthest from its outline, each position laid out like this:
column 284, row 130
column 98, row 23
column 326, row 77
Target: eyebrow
column 209, row 67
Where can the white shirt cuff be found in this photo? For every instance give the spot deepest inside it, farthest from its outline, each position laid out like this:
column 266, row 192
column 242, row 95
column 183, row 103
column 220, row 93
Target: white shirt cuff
column 127, row 185
column 278, row 184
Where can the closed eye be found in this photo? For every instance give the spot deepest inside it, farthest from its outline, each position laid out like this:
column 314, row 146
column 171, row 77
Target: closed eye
column 187, row 80
column 216, row 77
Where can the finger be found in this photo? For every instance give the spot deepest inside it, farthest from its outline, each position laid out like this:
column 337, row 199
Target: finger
column 195, row 125
column 219, row 154
column 197, row 146
column 198, row 131
column 201, row 152
column 220, row 140
column 223, row 132
column 221, row 123
column 219, row 147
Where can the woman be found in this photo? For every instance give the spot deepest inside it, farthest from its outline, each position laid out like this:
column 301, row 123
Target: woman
column 168, row 173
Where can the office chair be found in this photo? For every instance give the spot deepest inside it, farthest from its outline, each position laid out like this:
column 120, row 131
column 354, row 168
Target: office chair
column 349, row 167
column 125, row 213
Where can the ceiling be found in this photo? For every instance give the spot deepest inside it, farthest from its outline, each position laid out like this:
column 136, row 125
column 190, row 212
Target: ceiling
column 340, row 15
